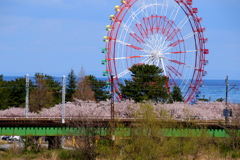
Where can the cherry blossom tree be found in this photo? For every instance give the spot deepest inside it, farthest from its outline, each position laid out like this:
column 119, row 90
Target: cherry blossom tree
column 127, row 109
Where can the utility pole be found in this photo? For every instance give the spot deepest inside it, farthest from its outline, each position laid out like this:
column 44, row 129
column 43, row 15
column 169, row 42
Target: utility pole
column 112, row 109
column 63, row 98
column 227, row 111
column 226, row 90
column 112, row 100
column 27, row 95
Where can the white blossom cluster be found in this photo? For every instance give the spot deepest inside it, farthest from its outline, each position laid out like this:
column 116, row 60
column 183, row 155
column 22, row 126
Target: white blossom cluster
column 126, row 109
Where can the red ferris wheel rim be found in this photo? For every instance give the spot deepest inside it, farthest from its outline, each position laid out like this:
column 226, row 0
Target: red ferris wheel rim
column 199, row 40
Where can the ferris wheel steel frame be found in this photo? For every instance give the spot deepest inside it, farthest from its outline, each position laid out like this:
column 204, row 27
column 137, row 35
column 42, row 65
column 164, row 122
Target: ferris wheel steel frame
column 159, row 40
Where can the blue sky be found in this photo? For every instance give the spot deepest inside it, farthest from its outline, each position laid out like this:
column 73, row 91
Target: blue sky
column 53, row 36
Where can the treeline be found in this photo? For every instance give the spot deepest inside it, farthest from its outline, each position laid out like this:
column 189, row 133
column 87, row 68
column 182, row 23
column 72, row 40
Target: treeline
column 45, row 91
column 147, row 84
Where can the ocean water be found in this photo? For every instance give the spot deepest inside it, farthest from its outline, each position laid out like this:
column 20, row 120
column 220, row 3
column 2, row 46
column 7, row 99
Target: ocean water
column 212, row 89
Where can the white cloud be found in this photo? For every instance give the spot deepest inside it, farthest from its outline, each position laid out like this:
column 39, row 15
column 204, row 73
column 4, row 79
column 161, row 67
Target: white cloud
column 66, row 4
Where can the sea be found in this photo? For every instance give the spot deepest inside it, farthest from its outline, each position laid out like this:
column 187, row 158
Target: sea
column 211, row 90
column 215, row 89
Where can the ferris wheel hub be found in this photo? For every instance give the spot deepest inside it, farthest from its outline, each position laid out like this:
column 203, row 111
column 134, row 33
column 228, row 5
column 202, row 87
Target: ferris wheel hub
column 157, row 54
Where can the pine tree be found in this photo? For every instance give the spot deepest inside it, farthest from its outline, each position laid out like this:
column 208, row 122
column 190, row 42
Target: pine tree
column 176, row 95
column 4, row 93
column 219, row 99
column 54, row 87
column 13, row 93
column 147, row 84
column 71, row 86
column 18, row 92
column 99, row 88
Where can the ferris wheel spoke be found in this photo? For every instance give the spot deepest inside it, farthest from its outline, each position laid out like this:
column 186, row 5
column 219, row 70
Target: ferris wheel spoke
column 127, row 28
column 162, row 10
column 148, row 48
column 166, row 46
column 158, row 61
column 132, row 46
column 121, row 74
column 165, row 7
column 164, row 43
column 155, row 41
column 189, row 35
column 144, row 12
column 169, row 46
column 150, row 44
column 153, row 4
column 134, row 17
column 175, row 11
column 141, row 9
column 163, row 67
column 172, row 70
column 183, row 22
column 171, row 79
column 172, row 34
column 161, row 42
column 158, row 41
column 153, row 61
column 185, row 82
column 137, row 38
column 153, row 7
column 132, row 33
column 181, row 52
column 180, row 63
column 117, row 58
column 142, row 30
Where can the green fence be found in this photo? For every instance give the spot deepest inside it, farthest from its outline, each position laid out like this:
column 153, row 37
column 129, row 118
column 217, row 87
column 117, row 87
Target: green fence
column 118, row 132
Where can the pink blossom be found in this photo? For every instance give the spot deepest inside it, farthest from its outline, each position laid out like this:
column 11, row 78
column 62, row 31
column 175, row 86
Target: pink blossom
column 126, row 109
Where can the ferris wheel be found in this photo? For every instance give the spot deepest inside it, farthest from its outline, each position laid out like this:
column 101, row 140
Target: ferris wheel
column 165, row 33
